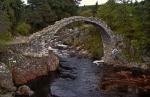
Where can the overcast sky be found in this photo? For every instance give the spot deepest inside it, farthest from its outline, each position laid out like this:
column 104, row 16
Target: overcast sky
column 92, row 2
column 88, row 2
column 85, row 2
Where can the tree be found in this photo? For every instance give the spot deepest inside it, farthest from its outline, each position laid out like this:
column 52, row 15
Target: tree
column 39, row 14
column 44, row 12
column 11, row 12
column 95, row 8
column 143, row 9
column 23, row 28
column 129, row 21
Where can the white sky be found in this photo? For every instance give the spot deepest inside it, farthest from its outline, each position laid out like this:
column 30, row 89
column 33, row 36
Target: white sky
column 91, row 2
column 88, row 2
column 85, row 2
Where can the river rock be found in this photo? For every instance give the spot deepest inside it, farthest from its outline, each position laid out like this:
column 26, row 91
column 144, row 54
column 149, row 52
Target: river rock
column 68, row 75
column 71, row 74
column 6, row 81
column 24, row 90
column 31, row 67
column 66, row 65
column 60, row 92
column 28, row 61
column 7, row 95
column 6, row 84
column 53, row 62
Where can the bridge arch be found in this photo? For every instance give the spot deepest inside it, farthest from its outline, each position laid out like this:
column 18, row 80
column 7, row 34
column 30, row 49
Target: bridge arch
column 106, row 33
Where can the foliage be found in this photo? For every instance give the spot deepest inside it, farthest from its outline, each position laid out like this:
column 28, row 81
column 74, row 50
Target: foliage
column 16, row 17
column 41, row 13
column 4, row 38
column 93, row 42
column 94, row 9
column 130, row 20
column 125, row 19
column 23, row 28
column 86, row 13
column 88, row 39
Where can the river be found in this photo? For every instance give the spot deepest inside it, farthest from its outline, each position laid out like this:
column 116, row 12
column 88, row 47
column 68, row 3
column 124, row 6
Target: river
column 76, row 77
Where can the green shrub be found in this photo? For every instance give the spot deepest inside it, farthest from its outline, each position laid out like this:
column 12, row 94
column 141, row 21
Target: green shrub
column 4, row 38
column 23, row 28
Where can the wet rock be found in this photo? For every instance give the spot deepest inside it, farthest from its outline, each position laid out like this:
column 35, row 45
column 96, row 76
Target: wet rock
column 98, row 62
column 72, row 53
column 53, row 62
column 61, row 46
column 7, row 95
column 60, row 92
column 78, row 48
column 66, row 65
column 84, row 54
column 68, row 73
column 24, row 90
column 29, row 69
column 68, row 76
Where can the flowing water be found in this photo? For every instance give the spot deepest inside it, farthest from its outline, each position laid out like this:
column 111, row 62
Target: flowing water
column 77, row 79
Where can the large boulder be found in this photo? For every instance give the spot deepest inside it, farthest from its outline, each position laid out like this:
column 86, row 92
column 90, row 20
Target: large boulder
column 32, row 67
column 53, row 62
column 24, row 90
column 6, row 83
column 9, row 94
column 28, row 66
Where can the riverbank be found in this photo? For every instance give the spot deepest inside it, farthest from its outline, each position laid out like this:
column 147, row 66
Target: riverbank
column 125, row 82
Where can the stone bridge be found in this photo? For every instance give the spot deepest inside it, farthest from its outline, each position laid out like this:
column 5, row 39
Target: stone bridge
column 41, row 39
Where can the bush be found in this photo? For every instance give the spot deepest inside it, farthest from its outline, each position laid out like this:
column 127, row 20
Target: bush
column 4, row 38
column 86, row 13
column 23, row 28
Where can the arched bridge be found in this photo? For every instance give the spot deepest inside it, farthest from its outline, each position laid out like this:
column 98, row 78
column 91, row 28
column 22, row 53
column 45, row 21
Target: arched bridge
column 42, row 38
